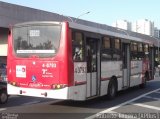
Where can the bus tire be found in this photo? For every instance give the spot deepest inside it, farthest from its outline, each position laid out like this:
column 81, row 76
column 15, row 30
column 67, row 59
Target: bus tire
column 146, row 77
column 3, row 96
column 112, row 89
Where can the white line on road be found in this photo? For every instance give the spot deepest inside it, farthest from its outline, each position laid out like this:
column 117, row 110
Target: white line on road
column 2, row 109
column 146, row 106
column 122, row 104
column 157, row 92
column 152, row 97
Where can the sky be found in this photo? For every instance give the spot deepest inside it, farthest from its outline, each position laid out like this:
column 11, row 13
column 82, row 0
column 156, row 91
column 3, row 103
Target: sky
column 101, row 11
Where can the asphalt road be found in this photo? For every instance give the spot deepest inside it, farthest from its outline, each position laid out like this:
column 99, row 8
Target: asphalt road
column 133, row 103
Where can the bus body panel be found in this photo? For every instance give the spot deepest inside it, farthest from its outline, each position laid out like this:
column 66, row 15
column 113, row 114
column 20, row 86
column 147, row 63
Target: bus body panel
column 80, row 73
column 41, row 73
column 60, row 77
column 36, row 73
column 78, row 92
column 136, row 73
column 56, row 94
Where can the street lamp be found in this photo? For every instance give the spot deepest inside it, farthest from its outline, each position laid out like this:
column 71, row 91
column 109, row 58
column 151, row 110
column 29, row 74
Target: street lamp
column 81, row 15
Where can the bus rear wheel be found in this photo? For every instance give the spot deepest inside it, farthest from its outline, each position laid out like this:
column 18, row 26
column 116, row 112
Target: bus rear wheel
column 112, row 89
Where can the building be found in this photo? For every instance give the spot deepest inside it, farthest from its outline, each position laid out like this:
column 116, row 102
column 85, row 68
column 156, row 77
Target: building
column 122, row 24
column 143, row 26
column 156, row 32
column 11, row 14
column 3, row 44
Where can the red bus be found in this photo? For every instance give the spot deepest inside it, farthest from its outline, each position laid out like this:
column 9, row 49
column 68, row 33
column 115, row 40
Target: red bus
column 66, row 60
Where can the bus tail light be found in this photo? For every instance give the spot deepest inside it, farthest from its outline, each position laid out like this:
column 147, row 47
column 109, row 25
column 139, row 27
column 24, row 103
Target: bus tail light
column 58, row 86
column 14, row 83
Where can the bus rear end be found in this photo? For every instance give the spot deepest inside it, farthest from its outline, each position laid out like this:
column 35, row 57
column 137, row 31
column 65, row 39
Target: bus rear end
column 39, row 60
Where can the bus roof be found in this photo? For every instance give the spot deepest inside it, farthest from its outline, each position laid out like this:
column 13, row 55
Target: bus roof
column 37, row 22
column 115, row 32
column 104, row 30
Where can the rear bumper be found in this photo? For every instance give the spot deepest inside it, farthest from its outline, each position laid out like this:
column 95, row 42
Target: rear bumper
column 56, row 94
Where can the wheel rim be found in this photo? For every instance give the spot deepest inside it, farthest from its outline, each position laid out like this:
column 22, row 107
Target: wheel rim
column 112, row 91
column 3, row 97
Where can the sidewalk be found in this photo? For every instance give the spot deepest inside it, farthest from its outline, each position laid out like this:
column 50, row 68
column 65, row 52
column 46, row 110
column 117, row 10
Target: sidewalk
column 156, row 78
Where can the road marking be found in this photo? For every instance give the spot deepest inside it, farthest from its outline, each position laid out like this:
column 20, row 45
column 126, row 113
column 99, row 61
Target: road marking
column 152, row 97
column 157, row 92
column 146, row 106
column 122, row 104
column 29, row 103
column 2, row 109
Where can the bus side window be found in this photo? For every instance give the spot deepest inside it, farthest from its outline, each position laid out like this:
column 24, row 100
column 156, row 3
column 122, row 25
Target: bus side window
column 77, row 54
column 146, row 50
column 78, row 47
column 141, row 53
column 89, row 58
column 117, row 49
column 106, row 53
column 134, row 51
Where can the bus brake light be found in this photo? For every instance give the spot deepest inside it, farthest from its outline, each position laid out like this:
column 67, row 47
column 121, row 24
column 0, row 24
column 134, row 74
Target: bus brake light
column 59, row 86
column 14, row 83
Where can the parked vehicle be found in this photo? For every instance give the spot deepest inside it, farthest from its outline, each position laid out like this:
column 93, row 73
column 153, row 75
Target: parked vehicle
column 3, row 92
column 3, row 84
column 3, row 72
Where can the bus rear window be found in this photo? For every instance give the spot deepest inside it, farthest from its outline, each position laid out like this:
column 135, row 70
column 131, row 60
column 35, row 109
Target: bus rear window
column 42, row 40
